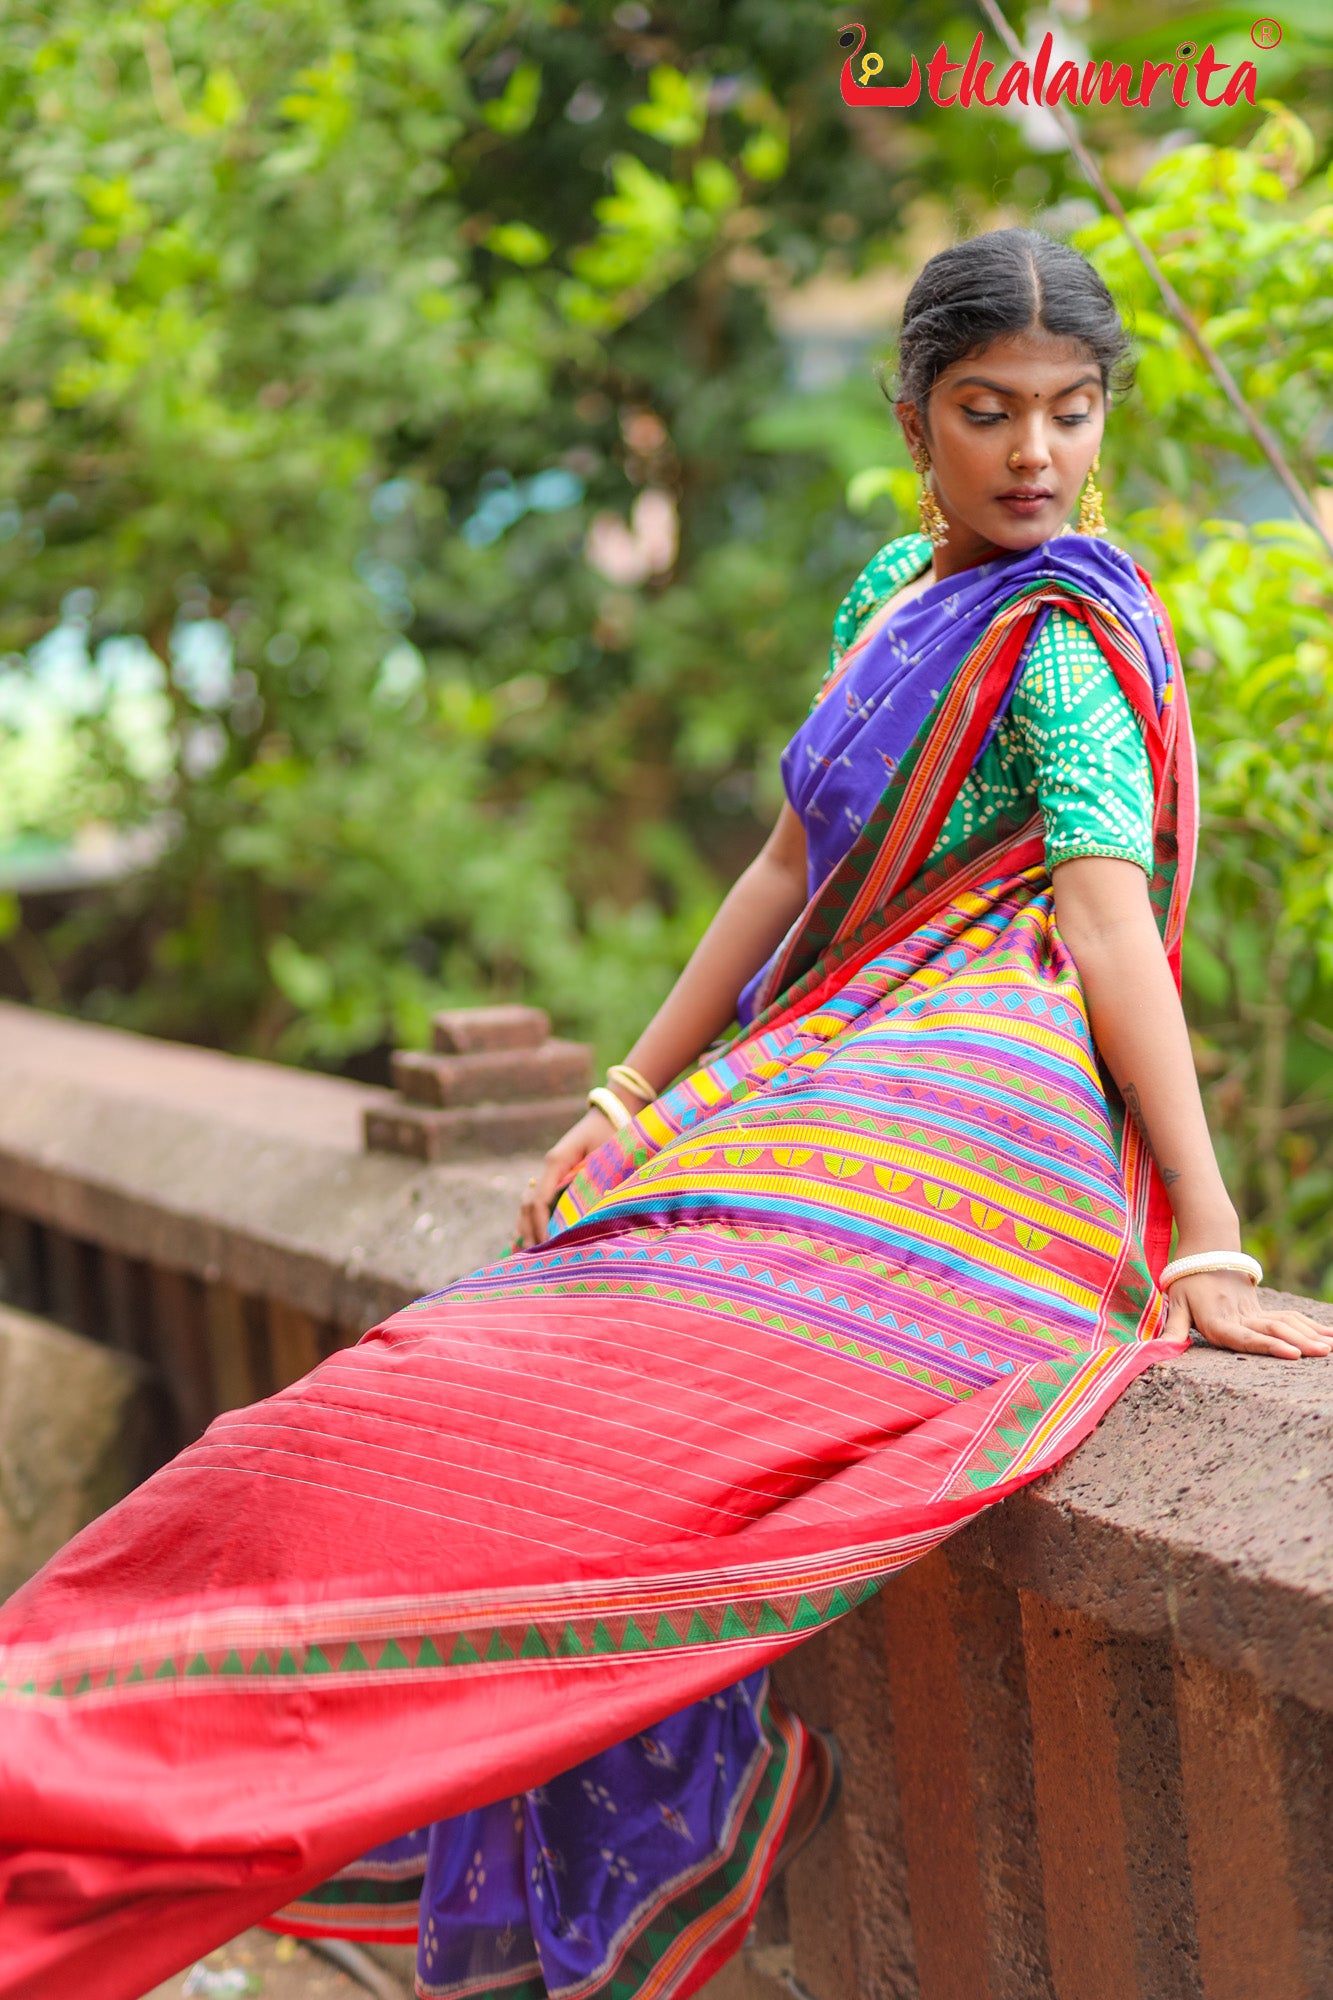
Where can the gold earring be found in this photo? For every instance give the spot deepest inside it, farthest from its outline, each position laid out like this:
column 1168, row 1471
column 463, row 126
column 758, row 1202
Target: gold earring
column 1091, row 515
column 933, row 523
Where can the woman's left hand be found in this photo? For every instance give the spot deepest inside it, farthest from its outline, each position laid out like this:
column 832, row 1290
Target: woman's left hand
column 1228, row 1312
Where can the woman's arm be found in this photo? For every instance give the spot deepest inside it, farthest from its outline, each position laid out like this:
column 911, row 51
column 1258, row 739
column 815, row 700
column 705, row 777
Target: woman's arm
column 754, row 917
column 1106, row 921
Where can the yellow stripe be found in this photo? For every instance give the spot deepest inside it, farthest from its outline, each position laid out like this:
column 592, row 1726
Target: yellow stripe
column 1058, row 1414
column 709, row 1087
column 659, row 1130
column 999, row 1193
column 981, row 1247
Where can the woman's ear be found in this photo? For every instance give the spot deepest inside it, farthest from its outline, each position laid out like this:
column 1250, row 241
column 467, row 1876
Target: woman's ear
column 913, row 430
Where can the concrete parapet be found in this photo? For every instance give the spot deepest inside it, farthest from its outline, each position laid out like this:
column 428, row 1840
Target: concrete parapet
column 474, row 1031
column 1087, row 1744
column 495, row 1081
column 68, row 1408
column 218, row 1217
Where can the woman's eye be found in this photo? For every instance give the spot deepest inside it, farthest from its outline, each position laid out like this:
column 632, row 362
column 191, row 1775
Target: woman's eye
column 1075, row 419
column 982, row 416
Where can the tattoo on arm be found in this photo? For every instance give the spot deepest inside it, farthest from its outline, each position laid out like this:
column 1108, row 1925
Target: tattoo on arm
column 1130, row 1094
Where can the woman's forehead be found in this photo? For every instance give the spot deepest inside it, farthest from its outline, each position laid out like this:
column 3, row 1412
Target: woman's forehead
column 1038, row 362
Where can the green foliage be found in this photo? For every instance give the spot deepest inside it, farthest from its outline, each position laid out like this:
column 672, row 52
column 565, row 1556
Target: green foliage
column 444, row 553
column 1260, row 950
column 1246, row 235
column 677, row 107
column 331, row 331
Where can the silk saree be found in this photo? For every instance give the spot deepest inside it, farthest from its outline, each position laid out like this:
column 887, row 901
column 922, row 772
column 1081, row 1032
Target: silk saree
column 525, row 1553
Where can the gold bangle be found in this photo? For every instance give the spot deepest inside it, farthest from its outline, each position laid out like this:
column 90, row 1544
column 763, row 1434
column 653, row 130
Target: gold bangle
column 610, row 1107
column 633, row 1080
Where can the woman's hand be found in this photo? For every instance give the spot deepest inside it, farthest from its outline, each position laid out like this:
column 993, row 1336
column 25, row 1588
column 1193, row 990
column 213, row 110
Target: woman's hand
column 1229, row 1313
column 569, row 1152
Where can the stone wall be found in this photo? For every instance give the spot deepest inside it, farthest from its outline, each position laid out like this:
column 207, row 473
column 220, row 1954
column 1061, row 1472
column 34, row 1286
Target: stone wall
column 68, row 1442
column 1087, row 1745
column 216, row 1219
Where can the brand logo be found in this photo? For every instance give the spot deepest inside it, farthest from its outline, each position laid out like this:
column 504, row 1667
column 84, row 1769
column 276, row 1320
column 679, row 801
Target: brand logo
column 1034, row 82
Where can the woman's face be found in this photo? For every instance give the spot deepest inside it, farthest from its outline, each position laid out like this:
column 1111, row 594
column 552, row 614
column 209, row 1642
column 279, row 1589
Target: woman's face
column 1012, row 432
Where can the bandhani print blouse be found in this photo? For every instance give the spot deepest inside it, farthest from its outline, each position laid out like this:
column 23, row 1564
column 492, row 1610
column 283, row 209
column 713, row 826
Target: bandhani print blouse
column 1069, row 738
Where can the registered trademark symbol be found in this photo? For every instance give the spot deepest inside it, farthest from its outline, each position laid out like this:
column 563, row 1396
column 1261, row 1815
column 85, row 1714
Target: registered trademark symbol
column 1266, row 33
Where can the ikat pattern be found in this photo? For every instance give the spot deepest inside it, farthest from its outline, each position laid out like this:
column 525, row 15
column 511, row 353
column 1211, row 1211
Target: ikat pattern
column 1069, row 739
column 594, row 1887
column 878, row 1261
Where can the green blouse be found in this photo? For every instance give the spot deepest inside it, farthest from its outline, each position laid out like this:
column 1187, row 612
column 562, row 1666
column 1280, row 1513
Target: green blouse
column 1070, row 740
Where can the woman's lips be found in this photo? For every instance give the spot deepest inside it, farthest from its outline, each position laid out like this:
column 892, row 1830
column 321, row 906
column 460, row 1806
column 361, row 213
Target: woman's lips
column 1025, row 500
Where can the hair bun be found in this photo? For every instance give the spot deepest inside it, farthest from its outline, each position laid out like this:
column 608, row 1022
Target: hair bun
column 1005, row 282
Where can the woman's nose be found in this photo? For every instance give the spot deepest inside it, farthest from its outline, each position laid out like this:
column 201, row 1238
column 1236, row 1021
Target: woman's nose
column 1030, row 451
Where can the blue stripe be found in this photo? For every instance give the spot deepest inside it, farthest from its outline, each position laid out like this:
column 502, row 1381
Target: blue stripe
column 655, row 1204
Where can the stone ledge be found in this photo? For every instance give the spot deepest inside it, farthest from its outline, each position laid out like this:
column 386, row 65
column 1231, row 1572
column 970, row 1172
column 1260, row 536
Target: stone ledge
column 241, row 1172
column 493, row 1076
column 1202, row 1507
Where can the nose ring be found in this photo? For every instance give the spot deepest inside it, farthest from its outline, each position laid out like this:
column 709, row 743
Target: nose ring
column 1014, row 457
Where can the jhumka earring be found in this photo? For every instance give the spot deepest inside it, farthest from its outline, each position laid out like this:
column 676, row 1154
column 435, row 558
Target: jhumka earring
column 1091, row 518
column 933, row 523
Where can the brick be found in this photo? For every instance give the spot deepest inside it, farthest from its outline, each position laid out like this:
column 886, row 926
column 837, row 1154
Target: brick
column 128, row 1304
column 466, row 1031
column 935, row 1784
column 421, row 1134
column 506, row 1076
column 20, row 1267
column 846, row 1893
column 987, row 1623
column 1304, row 1744
column 1072, row 1694
column 1153, row 1804
column 1198, row 1511
column 180, row 1345
column 1239, row 1841
column 259, row 1344
column 71, row 1265
column 755, row 1973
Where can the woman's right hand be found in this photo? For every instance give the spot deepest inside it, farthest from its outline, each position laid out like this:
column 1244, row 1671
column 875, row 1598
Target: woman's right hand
column 568, row 1153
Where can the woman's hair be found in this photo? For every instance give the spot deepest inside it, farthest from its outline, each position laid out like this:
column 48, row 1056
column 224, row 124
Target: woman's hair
column 1005, row 282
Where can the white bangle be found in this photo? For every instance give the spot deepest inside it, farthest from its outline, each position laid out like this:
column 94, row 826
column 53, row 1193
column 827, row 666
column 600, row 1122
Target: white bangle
column 611, row 1108
column 1212, row 1260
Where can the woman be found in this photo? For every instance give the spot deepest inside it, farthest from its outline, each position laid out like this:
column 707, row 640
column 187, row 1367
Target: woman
column 881, row 1259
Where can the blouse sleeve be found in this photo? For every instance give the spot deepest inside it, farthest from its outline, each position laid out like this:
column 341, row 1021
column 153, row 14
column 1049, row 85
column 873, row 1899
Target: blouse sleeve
column 1094, row 781
column 887, row 569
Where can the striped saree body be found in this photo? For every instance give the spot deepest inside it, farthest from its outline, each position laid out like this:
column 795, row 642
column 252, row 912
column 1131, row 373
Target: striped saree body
column 881, row 1260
